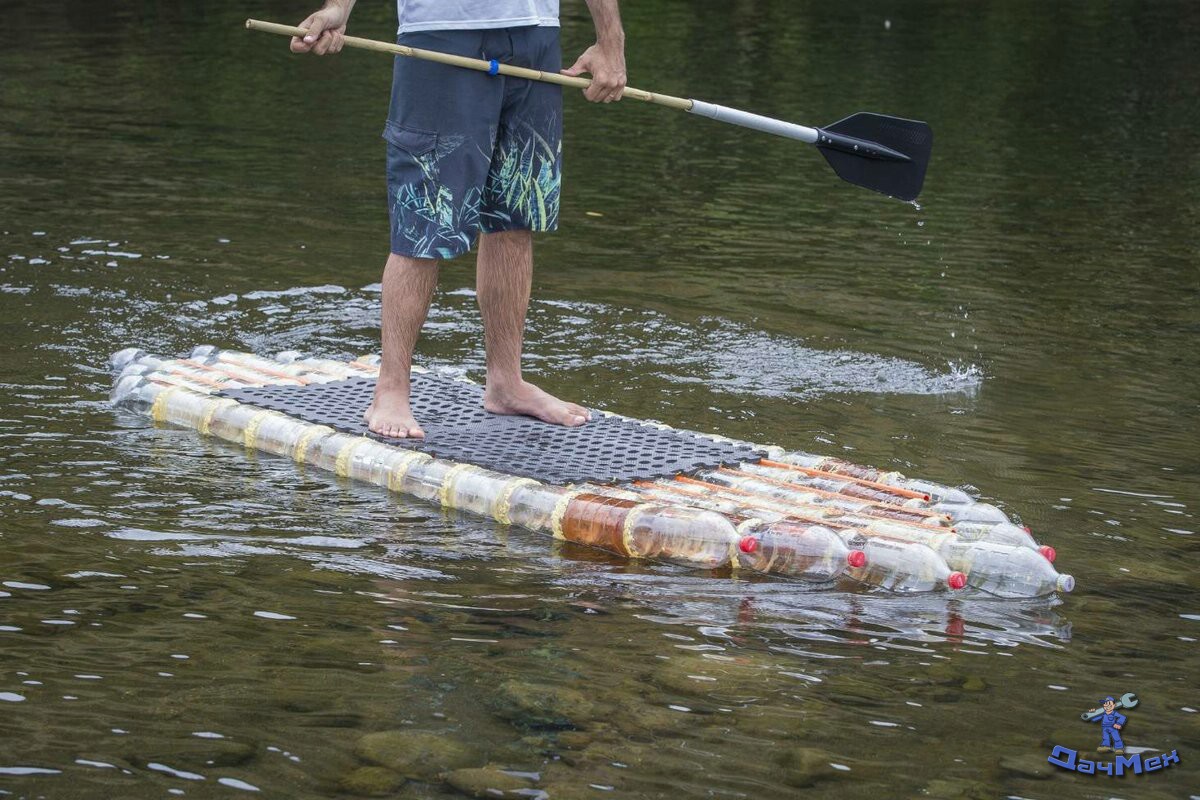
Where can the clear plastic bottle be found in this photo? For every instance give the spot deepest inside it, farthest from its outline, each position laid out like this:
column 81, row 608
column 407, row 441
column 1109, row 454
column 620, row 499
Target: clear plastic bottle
column 900, row 566
column 938, row 493
column 849, row 485
column 997, row 533
column 218, row 366
column 259, row 368
column 470, row 488
column 337, row 370
column 599, row 521
column 700, row 539
column 671, row 492
column 122, row 358
column 972, row 512
column 817, row 501
column 1006, row 571
column 532, row 505
column 686, row 536
column 846, row 490
column 938, row 538
column 806, row 552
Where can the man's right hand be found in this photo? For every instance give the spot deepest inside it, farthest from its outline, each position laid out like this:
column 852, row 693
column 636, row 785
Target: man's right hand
column 325, row 30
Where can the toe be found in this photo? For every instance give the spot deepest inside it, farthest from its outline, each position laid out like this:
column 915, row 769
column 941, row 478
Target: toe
column 579, row 410
column 416, row 433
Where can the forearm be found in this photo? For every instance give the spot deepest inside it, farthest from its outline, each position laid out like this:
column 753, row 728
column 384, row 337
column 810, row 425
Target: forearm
column 607, row 19
column 344, row 6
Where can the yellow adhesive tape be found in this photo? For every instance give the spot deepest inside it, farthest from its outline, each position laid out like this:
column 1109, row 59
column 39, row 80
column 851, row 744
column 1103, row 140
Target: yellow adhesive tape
column 158, row 409
column 300, row 450
column 446, row 491
column 560, row 510
column 503, row 503
column 341, row 467
column 250, row 432
column 214, row 405
column 396, row 476
column 627, row 528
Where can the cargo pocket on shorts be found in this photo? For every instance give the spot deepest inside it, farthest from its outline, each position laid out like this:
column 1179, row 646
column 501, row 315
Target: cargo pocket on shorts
column 409, row 148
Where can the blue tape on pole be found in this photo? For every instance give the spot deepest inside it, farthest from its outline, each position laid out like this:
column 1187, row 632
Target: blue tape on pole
column 494, row 67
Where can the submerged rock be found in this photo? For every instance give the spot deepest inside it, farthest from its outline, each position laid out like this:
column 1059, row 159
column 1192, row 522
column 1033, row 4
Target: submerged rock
column 1028, row 766
column 542, row 706
column 371, row 782
column 652, row 719
column 414, row 754
column 486, row 782
column 707, row 678
column 804, row 766
column 574, row 740
column 195, row 753
column 974, row 683
column 959, row 789
column 853, row 690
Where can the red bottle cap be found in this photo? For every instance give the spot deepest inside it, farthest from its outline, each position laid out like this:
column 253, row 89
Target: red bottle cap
column 856, row 558
column 1049, row 552
column 956, row 580
column 748, row 544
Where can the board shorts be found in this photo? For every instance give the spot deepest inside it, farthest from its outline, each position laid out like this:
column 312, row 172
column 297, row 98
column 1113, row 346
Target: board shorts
column 468, row 151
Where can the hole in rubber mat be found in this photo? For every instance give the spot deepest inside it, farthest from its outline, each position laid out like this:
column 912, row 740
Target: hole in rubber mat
column 607, row 449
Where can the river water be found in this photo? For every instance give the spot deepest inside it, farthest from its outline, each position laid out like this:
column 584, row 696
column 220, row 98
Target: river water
column 178, row 616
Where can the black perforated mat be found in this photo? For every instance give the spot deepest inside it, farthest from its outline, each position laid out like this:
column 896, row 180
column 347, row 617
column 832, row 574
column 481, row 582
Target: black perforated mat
column 606, row 449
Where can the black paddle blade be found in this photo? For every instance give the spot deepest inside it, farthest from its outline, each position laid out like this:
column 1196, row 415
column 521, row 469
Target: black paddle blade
column 886, row 154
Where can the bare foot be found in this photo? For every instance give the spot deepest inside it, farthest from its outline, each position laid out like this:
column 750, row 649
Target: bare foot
column 525, row 398
column 391, row 416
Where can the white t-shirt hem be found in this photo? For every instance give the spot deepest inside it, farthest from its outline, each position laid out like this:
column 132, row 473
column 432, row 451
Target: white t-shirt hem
column 477, row 24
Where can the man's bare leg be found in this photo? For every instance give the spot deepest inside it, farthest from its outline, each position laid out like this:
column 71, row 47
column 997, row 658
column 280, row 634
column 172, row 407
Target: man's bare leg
column 408, row 285
column 503, row 278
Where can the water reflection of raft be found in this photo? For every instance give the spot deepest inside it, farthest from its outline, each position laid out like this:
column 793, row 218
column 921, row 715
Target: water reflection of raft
column 790, row 514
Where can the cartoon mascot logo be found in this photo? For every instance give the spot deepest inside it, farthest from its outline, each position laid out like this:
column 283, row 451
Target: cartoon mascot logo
column 1112, row 727
column 1112, row 722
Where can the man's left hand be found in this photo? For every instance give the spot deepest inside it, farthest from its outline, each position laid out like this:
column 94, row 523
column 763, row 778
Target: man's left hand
column 606, row 65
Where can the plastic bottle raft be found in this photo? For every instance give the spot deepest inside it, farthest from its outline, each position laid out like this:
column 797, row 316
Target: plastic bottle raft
column 790, row 514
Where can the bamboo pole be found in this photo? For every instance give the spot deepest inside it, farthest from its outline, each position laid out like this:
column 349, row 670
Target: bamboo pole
column 680, row 103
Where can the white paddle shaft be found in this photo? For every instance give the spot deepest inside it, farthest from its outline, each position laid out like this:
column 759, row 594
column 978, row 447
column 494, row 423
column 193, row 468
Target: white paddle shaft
column 754, row 121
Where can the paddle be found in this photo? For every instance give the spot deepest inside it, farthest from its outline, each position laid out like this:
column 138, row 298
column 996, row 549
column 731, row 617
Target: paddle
column 875, row 151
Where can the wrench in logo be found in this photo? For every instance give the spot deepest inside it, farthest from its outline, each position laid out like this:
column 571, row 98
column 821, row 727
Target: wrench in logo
column 1127, row 700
